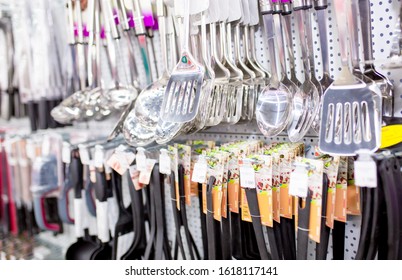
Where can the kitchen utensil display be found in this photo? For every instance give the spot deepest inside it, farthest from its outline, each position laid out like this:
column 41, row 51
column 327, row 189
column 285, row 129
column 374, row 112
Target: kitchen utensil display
column 348, row 117
column 274, row 105
column 183, row 91
column 369, row 70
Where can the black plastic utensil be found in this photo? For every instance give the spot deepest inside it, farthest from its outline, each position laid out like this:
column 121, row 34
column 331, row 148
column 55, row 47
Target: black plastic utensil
column 124, row 226
column 83, row 248
column 104, row 250
column 303, row 227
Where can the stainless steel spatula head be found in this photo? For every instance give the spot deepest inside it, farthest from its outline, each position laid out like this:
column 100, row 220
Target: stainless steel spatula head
column 183, row 91
column 348, row 120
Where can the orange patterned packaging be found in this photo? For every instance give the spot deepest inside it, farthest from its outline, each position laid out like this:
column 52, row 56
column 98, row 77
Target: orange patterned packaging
column 353, row 192
column 341, row 190
column 263, row 177
column 331, row 165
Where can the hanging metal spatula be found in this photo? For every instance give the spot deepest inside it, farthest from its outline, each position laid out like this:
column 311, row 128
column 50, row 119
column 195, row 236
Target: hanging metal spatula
column 348, row 116
column 183, row 91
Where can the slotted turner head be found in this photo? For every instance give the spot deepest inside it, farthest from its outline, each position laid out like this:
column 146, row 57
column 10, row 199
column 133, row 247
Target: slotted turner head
column 348, row 118
column 183, row 91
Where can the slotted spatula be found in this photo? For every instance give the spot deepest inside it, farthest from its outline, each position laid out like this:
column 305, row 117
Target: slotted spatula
column 348, row 116
column 183, row 91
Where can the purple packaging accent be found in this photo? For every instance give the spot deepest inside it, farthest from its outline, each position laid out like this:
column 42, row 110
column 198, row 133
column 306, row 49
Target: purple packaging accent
column 156, row 25
column 275, row 1
column 116, row 16
column 130, row 17
column 75, row 30
column 148, row 20
column 284, row 1
column 103, row 33
column 85, row 31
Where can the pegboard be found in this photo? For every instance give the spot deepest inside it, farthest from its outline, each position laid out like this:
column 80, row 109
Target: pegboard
column 383, row 14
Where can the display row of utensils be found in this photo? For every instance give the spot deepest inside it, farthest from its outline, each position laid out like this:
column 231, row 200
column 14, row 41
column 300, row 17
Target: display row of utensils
column 212, row 85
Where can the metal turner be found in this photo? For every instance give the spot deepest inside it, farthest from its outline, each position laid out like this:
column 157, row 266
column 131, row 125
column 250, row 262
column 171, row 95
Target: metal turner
column 348, row 117
column 183, row 91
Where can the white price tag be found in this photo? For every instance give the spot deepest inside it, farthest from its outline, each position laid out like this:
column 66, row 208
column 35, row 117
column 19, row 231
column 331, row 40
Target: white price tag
column 84, row 155
column 164, row 163
column 145, row 175
column 366, row 174
column 247, row 177
column 46, row 146
column 141, row 159
column 66, row 153
column 30, row 150
column 298, row 185
column 200, row 172
column 118, row 163
column 99, row 157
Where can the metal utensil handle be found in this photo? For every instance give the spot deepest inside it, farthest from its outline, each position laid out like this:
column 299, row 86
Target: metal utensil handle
column 138, row 19
column 304, row 49
column 186, row 29
column 162, row 32
column 322, row 28
column 353, row 14
column 365, row 19
column 70, row 11
column 269, row 29
column 204, row 40
column 111, row 52
column 280, row 43
column 125, row 21
column 289, row 40
column 341, row 17
column 107, row 11
column 309, row 38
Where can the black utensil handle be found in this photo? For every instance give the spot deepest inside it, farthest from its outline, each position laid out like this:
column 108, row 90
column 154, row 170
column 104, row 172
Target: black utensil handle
column 338, row 240
column 156, row 181
column 252, row 201
column 303, row 227
column 321, row 249
column 183, row 211
column 210, row 221
column 278, row 239
column 50, row 105
column 43, row 114
column 203, row 218
column 32, row 115
column 179, row 241
column 366, row 224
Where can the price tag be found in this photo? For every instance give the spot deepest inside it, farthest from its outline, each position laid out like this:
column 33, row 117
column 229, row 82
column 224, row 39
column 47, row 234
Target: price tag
column 99, row 157
column 46, row 146
column 298, row 185
column 30, row 150
column 134, row 174
column 247, row 177
column 84, row 155
column 141, row 159
column 65, row 153
column 200, row 172
column 366, row 174
column 145, row 175
column 117, row 163
column 164, row 162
